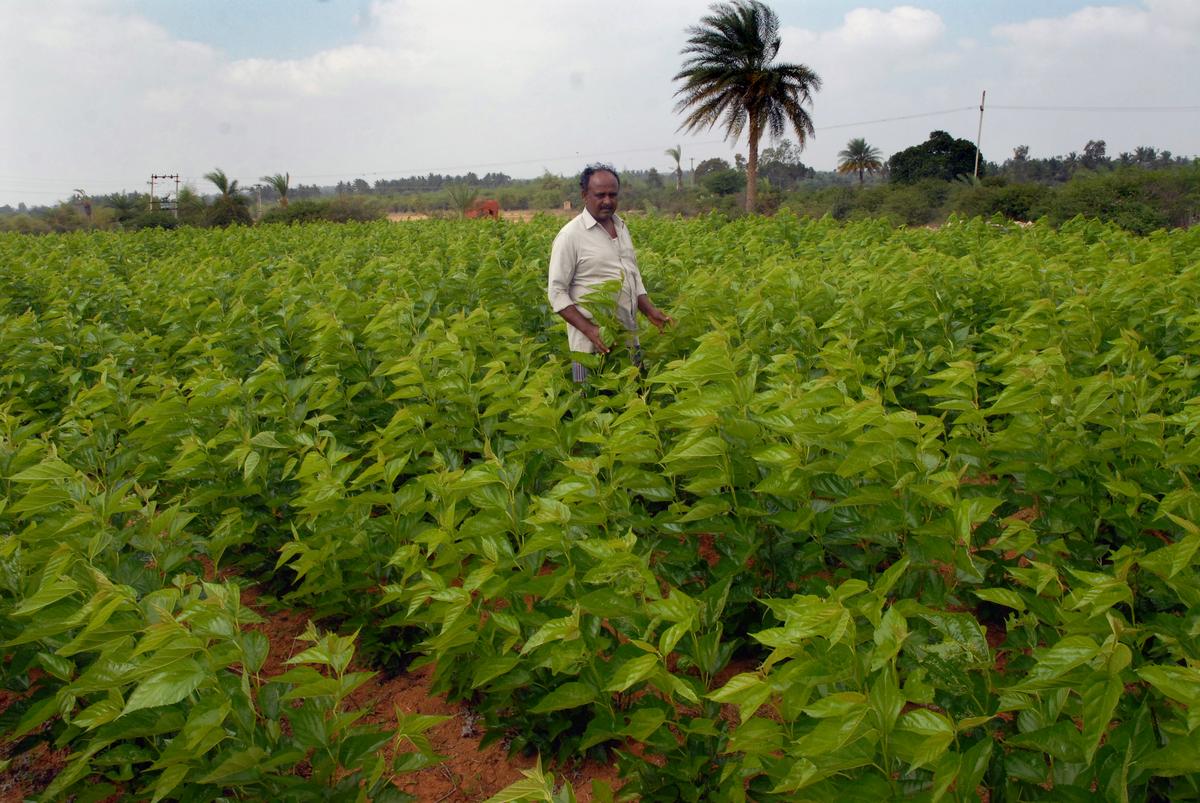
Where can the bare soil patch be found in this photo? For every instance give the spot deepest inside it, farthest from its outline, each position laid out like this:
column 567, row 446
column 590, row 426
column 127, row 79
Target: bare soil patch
column 469, row 773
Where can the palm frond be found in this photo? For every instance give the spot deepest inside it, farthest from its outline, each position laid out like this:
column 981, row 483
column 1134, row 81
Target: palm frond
column 729, row 78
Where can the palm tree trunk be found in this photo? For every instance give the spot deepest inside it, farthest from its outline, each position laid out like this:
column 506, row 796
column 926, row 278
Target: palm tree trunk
column 678, row 177
column 283, row 201
column 752, row 170
column 860, row 176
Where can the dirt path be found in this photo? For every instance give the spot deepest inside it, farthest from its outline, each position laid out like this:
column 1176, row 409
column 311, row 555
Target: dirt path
column 469, row 773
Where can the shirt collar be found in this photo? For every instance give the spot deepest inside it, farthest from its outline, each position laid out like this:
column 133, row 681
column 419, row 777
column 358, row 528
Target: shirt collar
column 589, row 221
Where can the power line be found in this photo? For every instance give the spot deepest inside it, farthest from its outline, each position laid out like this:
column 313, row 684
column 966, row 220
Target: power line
column 893, row 119
column 28, row 179
column 416, row 171
column 504, row 163
column 476, row 165
column 33, row 192
column 1098, row 108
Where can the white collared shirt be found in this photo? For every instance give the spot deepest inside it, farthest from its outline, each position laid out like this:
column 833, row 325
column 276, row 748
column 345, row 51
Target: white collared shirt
column 584, row 256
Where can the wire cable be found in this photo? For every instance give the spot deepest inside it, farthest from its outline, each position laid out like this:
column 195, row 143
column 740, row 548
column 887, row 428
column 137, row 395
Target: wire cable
column 416, row 172
column 893, row 119
column 1095, row 108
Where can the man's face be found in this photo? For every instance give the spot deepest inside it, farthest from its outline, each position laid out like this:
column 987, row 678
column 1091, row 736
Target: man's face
column 600, row 197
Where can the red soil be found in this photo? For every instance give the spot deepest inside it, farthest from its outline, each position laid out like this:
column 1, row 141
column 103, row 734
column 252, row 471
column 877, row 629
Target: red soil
column 469, row 773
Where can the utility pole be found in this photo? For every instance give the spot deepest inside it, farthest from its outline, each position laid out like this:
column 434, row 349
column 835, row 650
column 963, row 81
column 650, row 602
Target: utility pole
column 693, row 161
column 979, row 134
column 156, row 177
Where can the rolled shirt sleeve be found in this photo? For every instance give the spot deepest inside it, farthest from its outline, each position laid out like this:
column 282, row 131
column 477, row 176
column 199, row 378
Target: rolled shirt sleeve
column 637, row 288
column 562, row 272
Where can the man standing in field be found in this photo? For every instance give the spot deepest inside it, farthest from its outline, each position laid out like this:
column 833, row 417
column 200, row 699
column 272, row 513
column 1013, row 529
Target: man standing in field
column 592, row 249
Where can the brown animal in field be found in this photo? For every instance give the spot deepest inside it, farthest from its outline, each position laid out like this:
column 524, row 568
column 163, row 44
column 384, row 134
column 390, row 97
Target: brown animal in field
column 488, row 207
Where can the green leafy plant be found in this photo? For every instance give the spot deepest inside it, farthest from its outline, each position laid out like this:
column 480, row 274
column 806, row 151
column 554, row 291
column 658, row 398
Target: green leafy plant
column 888, row 513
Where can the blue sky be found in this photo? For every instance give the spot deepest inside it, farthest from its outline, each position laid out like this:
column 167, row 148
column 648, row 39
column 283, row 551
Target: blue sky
column 259, row 28
column 99, row 94
column 297, row 28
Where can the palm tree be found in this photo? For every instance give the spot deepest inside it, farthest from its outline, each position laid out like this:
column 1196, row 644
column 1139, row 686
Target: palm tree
column 729, row 78
column 228, row 189
column 231, row 207
column 676, row 153
column 462, row 196
column 859, row 157
column 125, row 206
column 279, row 183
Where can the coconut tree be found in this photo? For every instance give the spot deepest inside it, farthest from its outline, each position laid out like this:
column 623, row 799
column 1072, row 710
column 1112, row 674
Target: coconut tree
column 676, row 153
column 227, row 188
column 231, row 206
column 859, row 157
column 730, row 77
column 279, row 183
column 125, row 206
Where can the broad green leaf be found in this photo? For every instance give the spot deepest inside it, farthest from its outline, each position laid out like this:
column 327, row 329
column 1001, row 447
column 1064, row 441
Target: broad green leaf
column 643, row 723
column 492, row 668
column 748, row 691
column 46, row 471
column 1002, row 596
column 922, row 736
column 168, row 780
column 1180, row 683
column 1060, row 740
column 568, row 695
column 41, row 498
column 1100, row 699
column 238, row 762
column 255, row 647
column 167, row 686
column 564, row 629
column 888, row 637
column 632, row 671
column 536, row 785
column 841, row 704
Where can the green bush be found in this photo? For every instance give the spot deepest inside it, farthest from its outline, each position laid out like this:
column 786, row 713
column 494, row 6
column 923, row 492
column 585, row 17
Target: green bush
column 346, row 208
column 228, row 212
column 155, row 219
column 916, row 204
column 1012, row 201
column 1138, row 200
column 24, row 224
column 341, row 209
column 724, row 182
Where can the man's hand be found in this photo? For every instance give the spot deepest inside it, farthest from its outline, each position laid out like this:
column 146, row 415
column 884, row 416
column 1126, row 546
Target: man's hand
column 591, row 331
column 656, row 316
column 660, row 319
column 593, row 334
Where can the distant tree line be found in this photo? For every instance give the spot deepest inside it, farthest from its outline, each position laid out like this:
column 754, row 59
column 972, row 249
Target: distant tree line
column 1142, row 190
column 1058, row 169
column 434, row 182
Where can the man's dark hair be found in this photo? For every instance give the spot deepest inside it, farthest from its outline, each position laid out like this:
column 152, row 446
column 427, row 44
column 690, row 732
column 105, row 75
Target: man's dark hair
column 598, row 167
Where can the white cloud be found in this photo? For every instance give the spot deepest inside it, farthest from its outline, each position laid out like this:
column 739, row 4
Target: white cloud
column 1103, row 56
column 869, row 43
column 876, row 64
column 98, row 97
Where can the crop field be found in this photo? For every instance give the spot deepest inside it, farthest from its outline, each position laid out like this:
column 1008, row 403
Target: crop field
column 889, row 513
